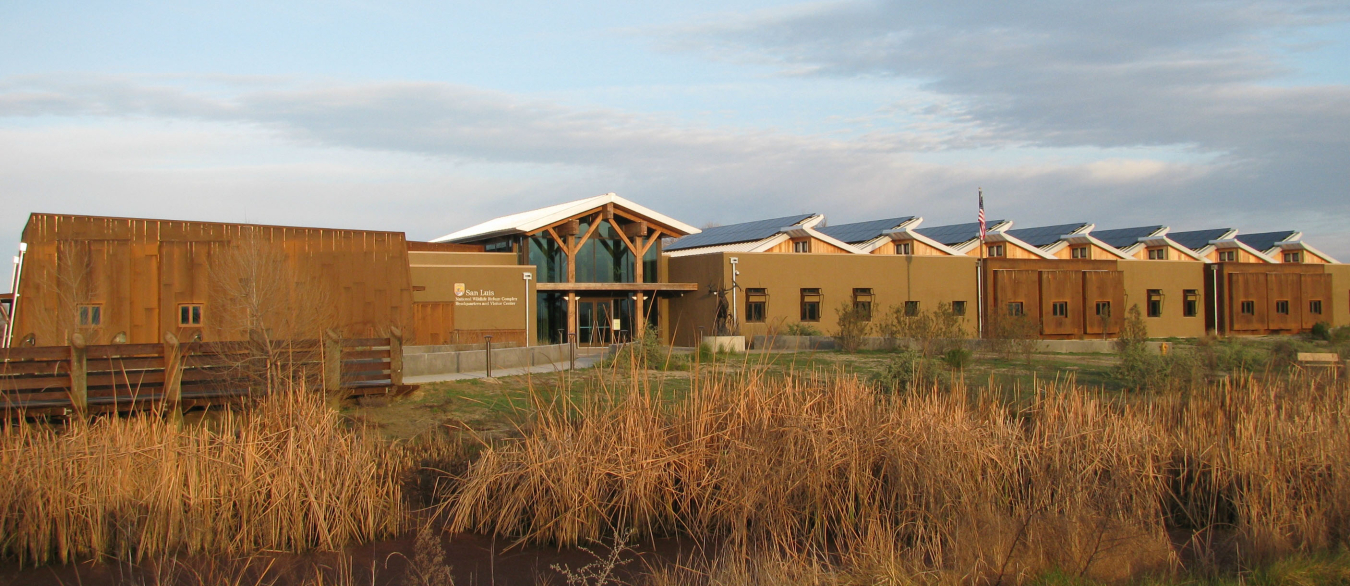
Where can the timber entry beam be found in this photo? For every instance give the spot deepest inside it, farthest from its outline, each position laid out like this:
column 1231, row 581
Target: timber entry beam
column 617, row 287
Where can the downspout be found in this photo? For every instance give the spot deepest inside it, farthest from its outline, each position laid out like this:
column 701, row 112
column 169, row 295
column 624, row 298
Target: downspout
column 1214, row 291
column 735, row 318
column 14, row 294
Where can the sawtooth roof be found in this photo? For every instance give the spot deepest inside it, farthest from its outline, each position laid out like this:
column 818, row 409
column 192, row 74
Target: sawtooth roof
column 1125, row 237
column 862, row 231
column 954, row 234
column 1265, row 240
column 1044, row 235
column 1197, row 239
column 733, row 233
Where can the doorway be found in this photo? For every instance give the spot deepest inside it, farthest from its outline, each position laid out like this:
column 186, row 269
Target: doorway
column 602, row 321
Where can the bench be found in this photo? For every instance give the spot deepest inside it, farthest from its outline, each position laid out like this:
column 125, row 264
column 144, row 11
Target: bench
column 1327, row 360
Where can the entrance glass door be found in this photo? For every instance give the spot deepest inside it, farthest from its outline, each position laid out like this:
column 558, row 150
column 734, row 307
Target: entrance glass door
column 595, row 321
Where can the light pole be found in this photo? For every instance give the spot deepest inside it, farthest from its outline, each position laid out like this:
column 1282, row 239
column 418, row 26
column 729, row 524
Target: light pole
column 527, row 276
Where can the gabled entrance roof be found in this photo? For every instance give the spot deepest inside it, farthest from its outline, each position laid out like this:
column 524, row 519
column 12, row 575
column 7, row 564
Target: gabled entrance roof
column 527, row 222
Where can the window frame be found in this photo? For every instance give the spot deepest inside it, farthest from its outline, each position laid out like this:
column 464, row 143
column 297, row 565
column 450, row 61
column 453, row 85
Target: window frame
column 1247, row 307
column 863, row 298
column 959, row 308
column 1059, row 309
column 1315, row 306
column 811, row 302
column 1153, row 303
column 756, row 302
column 1081, row 252
column 89, row 315
column 1100, row 305
column 1295, row 257
column 996, row 251
column 1190, row 304
column 911, row 308
column 1016, row 309
column 1282, row 306
column 194, row 316
column 905, row 248
column 801, row 246
column 1228, row 255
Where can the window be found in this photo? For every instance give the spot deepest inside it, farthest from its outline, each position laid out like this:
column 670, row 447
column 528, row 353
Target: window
column 1157, row 254
column 1248, row 308
column 1191, row 304
column 1015, row 309
column 190, row 314
column 1155, row 302
column 756, row 300
column 1103, row 309
column 862, row 302
column 90, row 315
column 810, row 304
column 1282, row 307
column 801, row 246
column 904, row 248
column 1293, row 257
column 911, row 308
column 1227, row 256
column 995, row 250
column 1059, row 309
column 1082, row 252
column 959, row 308
column 1315, row 307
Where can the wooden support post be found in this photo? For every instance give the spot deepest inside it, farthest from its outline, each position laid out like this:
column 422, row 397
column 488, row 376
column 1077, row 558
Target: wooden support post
column 395, row 357
column 332, row 362
column 173, row 378
column 79, row 376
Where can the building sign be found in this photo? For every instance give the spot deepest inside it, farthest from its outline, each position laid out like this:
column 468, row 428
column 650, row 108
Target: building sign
column 465, row 297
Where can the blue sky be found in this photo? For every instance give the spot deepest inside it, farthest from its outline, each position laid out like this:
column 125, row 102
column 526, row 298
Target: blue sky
column 428, row 117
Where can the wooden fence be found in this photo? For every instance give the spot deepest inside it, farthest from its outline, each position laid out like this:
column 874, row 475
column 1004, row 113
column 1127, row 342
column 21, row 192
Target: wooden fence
column 83, row 379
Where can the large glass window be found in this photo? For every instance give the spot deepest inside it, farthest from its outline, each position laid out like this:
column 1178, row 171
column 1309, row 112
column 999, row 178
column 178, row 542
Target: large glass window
column 548, row 258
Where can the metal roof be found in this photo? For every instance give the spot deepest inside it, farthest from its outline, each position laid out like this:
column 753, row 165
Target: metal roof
column 954, row 234
column 862, row 231
column 1125, row 237
column 1044, row 235
column 1197, row 239
column 1265, row 240
column 532, row 220
column 746, row 232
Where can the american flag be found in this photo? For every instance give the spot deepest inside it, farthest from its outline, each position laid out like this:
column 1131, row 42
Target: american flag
column 982, row 232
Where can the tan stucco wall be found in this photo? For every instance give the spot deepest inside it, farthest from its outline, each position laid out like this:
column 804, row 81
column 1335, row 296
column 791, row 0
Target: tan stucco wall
column 894, row 279
column 1340, row 293
column 1172, row 277
column 416, row 258
column 494, row 296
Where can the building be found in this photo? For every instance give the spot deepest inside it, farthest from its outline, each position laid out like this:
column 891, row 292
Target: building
column 604, row 269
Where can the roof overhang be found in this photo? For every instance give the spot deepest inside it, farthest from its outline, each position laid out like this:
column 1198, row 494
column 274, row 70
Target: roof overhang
column 1000, row 236
column 534, row 220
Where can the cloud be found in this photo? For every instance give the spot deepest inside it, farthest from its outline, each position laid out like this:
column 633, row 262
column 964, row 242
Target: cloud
column 430, row 158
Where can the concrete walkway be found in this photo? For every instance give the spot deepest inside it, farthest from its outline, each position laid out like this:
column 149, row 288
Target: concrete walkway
column 583, row 361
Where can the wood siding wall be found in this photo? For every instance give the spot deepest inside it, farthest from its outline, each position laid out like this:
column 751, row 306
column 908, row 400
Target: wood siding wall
column 139, row 272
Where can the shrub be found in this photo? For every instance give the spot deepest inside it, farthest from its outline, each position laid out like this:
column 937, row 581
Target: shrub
column 1133, row 332
column 933, row 332
column 907, row 369
column 801, row 329
column 853, row 325
column 1321, row 331
column 1014, row 336
column 957, row 358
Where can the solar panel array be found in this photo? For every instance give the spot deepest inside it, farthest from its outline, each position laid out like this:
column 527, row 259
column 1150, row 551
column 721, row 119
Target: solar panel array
column 1197, row 239
column 954, row 234
column 1044, row 235
column 863, row 231
column 1123, row 237
column 1265, row 240
column 734, row 233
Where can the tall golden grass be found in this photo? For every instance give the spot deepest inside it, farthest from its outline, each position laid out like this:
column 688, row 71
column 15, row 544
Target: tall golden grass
column 288, row 475
column 932, row 480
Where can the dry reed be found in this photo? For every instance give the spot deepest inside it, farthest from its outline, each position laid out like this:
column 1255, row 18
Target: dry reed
column 931, row 481
column 286, row 476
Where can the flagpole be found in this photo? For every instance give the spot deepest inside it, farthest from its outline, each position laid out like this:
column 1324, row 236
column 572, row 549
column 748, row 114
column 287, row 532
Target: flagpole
column 979, row 271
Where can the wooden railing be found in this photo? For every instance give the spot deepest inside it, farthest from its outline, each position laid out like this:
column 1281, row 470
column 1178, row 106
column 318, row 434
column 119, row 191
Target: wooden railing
column 82, row 379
